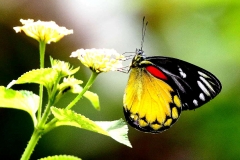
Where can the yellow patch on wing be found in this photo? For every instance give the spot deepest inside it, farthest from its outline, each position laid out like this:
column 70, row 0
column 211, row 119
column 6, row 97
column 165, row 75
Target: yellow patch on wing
column 151, row 101
column 174, row 113
column 168, row 122
column 177, row 101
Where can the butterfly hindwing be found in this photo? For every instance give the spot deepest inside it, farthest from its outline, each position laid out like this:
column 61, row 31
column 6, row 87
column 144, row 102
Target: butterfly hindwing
column 150, row 104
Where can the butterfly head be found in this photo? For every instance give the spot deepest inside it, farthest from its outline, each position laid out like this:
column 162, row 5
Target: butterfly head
column 138, row 58
column 139, row 53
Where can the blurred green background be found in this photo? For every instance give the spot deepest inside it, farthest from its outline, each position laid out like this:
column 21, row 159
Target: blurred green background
column 203, row 32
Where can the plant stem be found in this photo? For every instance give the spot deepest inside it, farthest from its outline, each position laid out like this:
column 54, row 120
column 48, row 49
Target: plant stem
column 31, row 144
column 42, row 48
column 37, row 132
column 86, row 87
column 46, row 112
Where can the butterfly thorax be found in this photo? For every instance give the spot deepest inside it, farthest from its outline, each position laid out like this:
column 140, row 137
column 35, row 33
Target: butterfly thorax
column 139, row 59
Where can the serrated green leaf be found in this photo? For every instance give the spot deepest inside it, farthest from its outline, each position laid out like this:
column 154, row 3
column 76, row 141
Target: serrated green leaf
column 61, row 157
column 23, row 100
column 116, row 129
column 44, row 76
column 93, row 98
column 71, row 118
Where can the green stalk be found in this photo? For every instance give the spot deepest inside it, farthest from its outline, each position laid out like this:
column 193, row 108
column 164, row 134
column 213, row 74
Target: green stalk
column 37, row 132
column 31, row 144
column 86, row 87
column 51, row 101
column 42, row 48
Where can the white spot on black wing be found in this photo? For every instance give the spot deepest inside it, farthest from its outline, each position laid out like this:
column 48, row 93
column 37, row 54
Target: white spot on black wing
column 183, row 75
column 201, row 96
column 203, row 74
column 207, row 84
column 203, row 88
column 195, row 102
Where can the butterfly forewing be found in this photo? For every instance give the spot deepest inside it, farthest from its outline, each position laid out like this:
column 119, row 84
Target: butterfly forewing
column 195, row 85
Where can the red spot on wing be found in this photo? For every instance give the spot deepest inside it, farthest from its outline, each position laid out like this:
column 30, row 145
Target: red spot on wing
column 156, row 72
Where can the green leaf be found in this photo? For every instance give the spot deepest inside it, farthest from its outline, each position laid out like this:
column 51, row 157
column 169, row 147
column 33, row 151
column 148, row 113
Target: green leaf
column 61, row 157
column 23, row 100
column 116, row 129
column 93, row 98
column 44, row 76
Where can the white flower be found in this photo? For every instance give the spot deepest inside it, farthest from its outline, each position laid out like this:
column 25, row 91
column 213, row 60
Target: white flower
column 43, row 31
column 99, row 60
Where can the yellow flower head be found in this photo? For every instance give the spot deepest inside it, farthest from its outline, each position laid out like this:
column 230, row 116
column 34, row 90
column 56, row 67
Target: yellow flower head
column 99, row 60
column 43, row 31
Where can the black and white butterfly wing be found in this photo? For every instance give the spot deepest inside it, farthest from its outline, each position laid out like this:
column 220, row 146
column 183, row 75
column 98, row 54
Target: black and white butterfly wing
column 194, row 85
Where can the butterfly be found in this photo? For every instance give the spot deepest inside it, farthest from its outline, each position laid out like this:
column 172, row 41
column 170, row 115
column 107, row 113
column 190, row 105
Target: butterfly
column 160, row 88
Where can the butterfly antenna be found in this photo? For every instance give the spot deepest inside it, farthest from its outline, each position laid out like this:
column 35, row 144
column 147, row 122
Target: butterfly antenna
column 144, row 27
